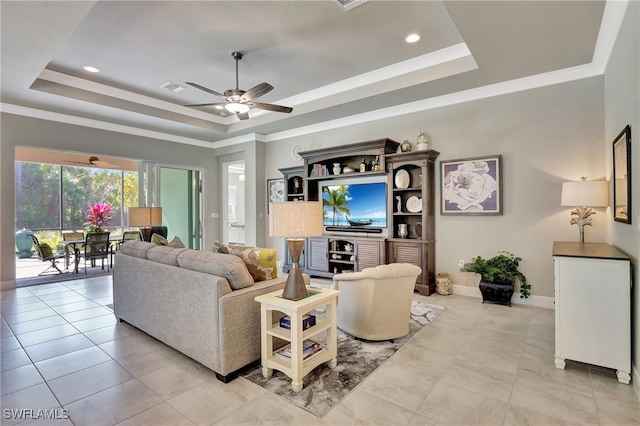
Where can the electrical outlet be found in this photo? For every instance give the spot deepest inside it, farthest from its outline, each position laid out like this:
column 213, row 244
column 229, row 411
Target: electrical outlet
column 215, row 215
column 461, row 263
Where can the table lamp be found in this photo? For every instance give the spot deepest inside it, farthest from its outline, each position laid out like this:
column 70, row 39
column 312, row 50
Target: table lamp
column 144, row 218
column 296, row 220
column 584, row 195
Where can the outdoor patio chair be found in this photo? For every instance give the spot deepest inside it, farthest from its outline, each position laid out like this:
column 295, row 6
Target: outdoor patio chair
column 97, row 246
column 46, row 254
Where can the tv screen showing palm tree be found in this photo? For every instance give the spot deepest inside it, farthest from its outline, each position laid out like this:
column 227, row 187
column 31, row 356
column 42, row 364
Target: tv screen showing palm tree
column 360, row 204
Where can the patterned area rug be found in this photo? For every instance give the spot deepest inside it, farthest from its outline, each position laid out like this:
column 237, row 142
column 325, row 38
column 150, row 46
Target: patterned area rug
column 357, row 359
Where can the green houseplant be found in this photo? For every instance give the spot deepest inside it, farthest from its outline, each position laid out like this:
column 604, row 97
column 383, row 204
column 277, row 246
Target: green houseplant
column 500, row 269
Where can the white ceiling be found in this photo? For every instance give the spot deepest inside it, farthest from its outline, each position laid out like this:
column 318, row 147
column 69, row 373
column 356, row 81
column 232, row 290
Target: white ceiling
column 326, row 63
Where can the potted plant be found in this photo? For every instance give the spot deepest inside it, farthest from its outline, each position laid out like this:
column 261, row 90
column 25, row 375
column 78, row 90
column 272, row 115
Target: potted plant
column 498, row 276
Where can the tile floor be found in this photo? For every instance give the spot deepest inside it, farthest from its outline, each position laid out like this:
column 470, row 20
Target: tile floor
column 64, row 352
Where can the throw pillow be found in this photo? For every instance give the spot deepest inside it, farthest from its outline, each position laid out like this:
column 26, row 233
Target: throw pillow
column 159, row 240
column 47, row 252
column 261, row 262
column 176, row 242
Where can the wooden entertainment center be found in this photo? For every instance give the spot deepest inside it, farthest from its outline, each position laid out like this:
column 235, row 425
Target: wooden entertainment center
column 410, row 204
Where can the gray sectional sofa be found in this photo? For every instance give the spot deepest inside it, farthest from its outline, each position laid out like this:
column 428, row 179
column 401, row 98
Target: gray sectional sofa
column 198, row 302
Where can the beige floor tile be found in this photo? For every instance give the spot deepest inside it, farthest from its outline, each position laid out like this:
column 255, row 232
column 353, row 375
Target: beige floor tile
column 144, row 362
column 71, row 362
column 14, row 359
column 360, row 407
column 38, row 324
column 518, row 416
column 5, row 330
column 46, row 335
column 28, row 316
column 15, row 294
column 212, row 400
column 420, row 420
column 536, row 364
column 605, row 384
column 442, row 337
column 615, row 412
column 112, row 332
column 546, row 397
column 516, row 312
column 86, row 314
column 103, row 301
column 477, row 353
column 67, row 294
column 18, row 301
column 9, row 343
column 402, row 385
column 11, row 309
column 504, row 324
column 417, row 357
column 67, row 300
column 542, row 343
column 47, row 288
column 129, row 344
column 161, row 414
column 477, row 376
column 19, row 378
column 57, row 347
column 175, row 378
column 113, row 405
column 86, row 382
column 268, row 410
column 35, row 397
column 453, row 405
column 76, row 306
column 95, row 323
column 498, row 339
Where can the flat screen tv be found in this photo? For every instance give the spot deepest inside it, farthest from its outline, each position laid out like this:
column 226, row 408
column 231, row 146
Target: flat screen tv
column 354, row 204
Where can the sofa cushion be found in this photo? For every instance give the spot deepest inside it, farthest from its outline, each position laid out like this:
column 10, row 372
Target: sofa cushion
column 165, row 254
column 261, row 262
column 224, row 265
column 136, row 248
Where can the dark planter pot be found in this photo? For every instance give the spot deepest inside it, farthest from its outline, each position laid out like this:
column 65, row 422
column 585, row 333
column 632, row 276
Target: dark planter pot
column 498, row 292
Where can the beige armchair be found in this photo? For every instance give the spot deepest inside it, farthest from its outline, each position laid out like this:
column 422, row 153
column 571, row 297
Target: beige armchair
column 375, row 304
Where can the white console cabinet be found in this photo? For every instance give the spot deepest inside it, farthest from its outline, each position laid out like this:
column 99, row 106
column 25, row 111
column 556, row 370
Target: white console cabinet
column 593, row 306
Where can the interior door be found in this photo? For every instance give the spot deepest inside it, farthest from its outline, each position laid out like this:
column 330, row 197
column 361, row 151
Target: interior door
column 181, row 202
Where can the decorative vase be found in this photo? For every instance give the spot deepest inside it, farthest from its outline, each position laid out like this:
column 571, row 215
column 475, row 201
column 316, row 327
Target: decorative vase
column 406, row 146
column 422, row 142
column 402, row 230
column 24, row 243
column 336, row 169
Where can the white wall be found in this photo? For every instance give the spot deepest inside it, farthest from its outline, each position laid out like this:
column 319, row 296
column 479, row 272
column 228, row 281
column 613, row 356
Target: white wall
column 622, row 95
column 546, row 136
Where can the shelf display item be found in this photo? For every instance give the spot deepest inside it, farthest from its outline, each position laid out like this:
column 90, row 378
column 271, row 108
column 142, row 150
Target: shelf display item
column 422, row 142
column 403, row 179
column 414, row 204
column 403, row 232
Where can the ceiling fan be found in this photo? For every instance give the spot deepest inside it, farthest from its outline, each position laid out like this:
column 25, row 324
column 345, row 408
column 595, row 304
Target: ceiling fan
column 238, row 101
column 97, row 162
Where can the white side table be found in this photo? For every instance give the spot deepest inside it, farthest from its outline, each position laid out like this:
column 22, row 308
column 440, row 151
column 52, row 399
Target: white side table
column 297, row 367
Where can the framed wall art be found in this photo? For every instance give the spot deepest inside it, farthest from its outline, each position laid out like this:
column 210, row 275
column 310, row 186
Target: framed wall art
column 471, row 186
column 275, row 192
column 622, row 176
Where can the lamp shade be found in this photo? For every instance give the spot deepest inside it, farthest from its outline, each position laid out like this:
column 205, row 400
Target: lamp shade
column 296, row 219
column 144, row 216
column 592, row 193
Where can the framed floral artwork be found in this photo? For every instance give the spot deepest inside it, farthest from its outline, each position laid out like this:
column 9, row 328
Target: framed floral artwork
column 621, row 175
column 275, row 192
column 471, row 186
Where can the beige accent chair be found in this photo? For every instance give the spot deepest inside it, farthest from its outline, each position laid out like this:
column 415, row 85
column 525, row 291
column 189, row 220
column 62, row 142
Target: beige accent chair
column 375, row 304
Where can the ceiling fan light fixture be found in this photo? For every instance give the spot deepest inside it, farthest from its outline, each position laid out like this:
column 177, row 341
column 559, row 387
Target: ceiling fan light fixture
column 237, row 108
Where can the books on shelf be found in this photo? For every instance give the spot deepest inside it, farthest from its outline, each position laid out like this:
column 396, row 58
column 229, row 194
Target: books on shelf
column 309, row 348
column 308, row 321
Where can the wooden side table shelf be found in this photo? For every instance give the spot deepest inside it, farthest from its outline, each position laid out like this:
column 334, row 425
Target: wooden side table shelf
column 297, row 367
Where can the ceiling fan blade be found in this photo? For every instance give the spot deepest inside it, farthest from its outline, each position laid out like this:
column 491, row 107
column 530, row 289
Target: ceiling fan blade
column 210, row 104
column 243, row 115
column 213, row 92
column 257, row 91
column 270, row 107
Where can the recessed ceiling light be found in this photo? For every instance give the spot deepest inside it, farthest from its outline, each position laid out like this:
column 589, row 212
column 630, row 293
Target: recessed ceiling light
column 89, row 68
column 412, row 37
column 219, row 107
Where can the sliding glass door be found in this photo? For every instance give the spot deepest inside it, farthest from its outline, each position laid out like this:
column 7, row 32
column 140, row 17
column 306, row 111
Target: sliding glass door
column 181, row 202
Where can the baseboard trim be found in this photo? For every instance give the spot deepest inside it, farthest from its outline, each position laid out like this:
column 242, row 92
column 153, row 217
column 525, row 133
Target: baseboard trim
column 537, row 301
column 7, row 285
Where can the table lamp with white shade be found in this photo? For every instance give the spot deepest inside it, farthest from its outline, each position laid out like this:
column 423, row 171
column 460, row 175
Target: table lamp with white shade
column 584, row 195
column 296, row 220
column 144, row 218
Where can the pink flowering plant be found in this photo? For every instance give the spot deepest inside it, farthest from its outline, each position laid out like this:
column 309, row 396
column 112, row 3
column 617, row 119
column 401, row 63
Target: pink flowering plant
column 99, row 216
